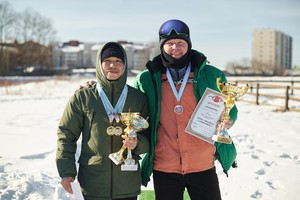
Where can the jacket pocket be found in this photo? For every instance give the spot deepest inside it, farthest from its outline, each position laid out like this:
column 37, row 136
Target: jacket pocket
column 90, row 160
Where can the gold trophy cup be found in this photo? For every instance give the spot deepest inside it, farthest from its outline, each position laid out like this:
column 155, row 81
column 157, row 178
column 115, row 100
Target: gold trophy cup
column 232, row 92
column 135, row 123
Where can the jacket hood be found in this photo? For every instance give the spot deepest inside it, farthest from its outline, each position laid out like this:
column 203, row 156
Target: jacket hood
column 106, row 84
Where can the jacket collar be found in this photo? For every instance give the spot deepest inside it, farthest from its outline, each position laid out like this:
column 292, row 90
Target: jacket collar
column 198, row 60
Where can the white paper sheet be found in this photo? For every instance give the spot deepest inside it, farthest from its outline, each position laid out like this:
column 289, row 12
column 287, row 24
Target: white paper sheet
column 203, row 122
column 77, row 191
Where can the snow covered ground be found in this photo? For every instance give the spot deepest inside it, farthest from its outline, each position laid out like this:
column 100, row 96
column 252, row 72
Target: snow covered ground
column 267, row 143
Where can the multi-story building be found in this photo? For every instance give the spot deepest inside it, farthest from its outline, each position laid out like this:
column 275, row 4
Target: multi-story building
column 137, row 55
column 72, row 55
column 76, row 55
column 271, row 52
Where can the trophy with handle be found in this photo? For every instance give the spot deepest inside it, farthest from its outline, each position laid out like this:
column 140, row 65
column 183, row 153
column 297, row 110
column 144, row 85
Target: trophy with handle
column 135, row 123
column 232, row 92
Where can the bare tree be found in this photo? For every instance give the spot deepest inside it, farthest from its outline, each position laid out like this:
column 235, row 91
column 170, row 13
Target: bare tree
column 45, row 31
column 34, row 27
column 36, row 33
column 231, row 68
column 7, row 19
column 256, row 66
column 240, row 67
column 261, row 68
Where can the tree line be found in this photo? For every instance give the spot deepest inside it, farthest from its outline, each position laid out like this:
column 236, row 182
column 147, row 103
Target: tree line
column 26, row 39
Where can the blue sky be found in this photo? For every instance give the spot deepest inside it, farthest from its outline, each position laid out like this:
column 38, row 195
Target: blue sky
column 221, row 29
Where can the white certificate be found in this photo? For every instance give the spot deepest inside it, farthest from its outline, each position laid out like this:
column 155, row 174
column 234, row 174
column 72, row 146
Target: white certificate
column 203, row 122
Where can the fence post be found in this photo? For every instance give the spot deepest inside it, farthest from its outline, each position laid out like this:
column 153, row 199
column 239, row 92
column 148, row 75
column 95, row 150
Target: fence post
column 257, row 93
column 292, row 90
column 287, row 98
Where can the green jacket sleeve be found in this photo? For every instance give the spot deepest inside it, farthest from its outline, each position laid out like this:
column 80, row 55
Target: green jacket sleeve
column 69, row 131
column 143, row 136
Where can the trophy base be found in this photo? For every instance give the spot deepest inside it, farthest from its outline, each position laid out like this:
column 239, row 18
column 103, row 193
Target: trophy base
column 117, row 162
column 222, row 139
column 129, row 167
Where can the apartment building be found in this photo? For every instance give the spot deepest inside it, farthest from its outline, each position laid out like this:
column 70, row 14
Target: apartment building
column 72, row 54
column 271, row 51
column 76, row 55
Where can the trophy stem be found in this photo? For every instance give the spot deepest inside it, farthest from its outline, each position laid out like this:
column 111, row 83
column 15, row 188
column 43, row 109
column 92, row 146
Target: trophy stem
column 117, row 157
column 129, row 154
column 129, row 163
column 129, row 160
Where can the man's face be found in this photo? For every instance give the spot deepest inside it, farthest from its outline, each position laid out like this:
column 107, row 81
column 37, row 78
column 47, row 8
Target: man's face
column 113, row 68
column 176, row 48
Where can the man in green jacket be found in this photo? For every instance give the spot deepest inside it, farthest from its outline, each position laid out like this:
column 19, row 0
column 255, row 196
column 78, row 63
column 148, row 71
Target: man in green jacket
column 174, row 82
column 93, row 114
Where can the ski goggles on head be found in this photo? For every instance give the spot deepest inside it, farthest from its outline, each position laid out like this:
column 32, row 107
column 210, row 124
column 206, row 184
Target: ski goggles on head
column 171, row 26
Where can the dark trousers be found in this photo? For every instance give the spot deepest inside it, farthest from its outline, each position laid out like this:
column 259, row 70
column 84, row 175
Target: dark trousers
column 200, row 185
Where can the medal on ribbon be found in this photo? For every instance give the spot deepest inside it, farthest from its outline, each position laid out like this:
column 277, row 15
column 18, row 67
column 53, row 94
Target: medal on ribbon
column 113, row 112
column 178, row 109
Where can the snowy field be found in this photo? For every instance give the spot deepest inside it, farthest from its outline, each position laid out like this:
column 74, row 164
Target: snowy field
column 267, row 143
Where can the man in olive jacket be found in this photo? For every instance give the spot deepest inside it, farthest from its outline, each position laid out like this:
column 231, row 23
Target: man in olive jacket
column 86, row 115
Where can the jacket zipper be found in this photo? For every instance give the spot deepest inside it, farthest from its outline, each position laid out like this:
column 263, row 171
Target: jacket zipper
column 156, row 101
column 111, row 146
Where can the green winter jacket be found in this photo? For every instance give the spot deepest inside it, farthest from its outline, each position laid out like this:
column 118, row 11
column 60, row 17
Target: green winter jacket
column 149, row 82
column 85, row 116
